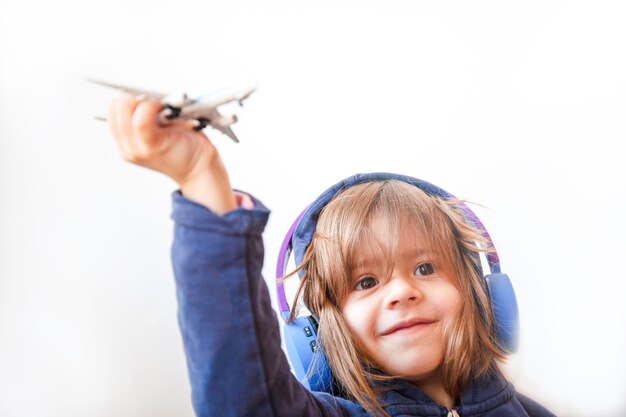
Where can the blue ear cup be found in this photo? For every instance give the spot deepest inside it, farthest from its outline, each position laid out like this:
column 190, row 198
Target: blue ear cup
column 305, row 354
column 300, row 335
column 504, row 308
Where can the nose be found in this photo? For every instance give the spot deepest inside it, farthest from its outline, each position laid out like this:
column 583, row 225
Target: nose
column 402, row 291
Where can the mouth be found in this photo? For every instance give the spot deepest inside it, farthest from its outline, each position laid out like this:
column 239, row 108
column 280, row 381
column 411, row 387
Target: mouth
column 407, row 326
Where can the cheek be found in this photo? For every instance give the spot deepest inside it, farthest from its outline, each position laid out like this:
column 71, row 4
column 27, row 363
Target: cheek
column 359, row 318
column 449, row 303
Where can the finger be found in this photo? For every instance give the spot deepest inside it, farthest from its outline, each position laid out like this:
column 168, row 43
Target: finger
column 144, row 123
column 112, row 117
column 120, row 114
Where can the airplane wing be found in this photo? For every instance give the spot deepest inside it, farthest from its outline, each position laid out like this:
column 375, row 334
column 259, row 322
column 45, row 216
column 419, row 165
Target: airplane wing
column 152, row 95
column 210, row 116
column 198, row 110
column 228, row 132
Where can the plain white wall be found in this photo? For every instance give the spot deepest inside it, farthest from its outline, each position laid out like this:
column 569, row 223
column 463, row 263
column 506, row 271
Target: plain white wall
column 518, row 106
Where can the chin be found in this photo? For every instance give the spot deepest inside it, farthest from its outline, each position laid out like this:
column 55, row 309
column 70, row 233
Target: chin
column 417, row 369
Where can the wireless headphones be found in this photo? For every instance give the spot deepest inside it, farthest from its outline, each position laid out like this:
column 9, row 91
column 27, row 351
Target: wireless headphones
column 305, row 354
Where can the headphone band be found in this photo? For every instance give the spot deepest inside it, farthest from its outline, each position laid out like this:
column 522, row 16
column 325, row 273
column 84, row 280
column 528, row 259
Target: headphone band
column 281, row 265
column 493, row 260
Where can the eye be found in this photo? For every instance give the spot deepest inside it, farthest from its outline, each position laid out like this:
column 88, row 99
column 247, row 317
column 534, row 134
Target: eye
column 425, row 268
column 366, row 283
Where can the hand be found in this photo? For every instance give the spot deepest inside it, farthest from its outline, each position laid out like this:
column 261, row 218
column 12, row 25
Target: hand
column 176, row 150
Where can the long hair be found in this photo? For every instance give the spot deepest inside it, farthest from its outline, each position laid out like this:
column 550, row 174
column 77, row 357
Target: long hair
column 344, row 227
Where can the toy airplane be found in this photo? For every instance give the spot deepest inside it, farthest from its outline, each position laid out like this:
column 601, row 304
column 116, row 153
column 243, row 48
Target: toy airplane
column 202, row 109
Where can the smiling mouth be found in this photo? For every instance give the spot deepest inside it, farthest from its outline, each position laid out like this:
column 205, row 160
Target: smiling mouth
column 408, row 327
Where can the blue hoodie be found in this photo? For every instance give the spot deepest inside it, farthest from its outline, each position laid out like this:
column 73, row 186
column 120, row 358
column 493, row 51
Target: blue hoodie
column 232, row 340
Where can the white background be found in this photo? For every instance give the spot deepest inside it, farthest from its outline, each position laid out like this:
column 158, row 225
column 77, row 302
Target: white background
column 518, row 106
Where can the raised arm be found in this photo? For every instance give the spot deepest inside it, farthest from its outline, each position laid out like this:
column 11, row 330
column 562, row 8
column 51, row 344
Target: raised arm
column 230, row 332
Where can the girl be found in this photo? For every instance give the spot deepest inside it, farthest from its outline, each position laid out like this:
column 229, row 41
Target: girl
column 390, row 272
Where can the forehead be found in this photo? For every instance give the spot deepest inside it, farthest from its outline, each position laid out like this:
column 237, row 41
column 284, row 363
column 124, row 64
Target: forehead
column 376, row 219
column 386, row 238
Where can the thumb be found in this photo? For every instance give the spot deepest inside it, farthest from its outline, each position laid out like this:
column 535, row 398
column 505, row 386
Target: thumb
column 145, row 121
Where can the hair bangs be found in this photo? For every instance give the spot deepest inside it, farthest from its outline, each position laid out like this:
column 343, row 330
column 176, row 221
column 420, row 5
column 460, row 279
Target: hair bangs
column 405, row 210
column 346, row 235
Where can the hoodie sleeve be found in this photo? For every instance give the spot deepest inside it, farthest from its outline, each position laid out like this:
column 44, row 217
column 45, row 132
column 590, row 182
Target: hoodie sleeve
column 230, row 332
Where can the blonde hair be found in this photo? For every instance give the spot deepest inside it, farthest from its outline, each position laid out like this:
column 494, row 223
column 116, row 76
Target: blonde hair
column 344, row 224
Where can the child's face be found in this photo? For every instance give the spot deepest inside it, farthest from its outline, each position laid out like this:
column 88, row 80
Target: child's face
column 400, row 318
